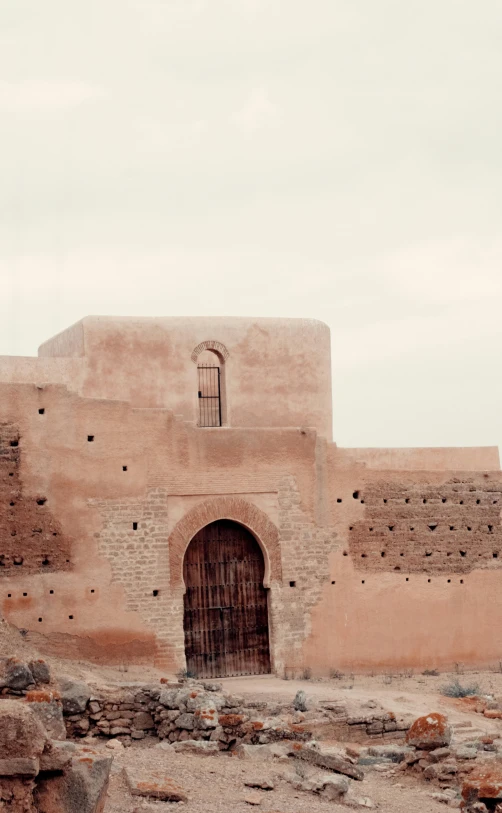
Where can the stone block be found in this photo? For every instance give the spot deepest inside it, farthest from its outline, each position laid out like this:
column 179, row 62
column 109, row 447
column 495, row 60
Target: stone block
column 154, row 784
column 40, row 671
column 429, row 732
column 20, row 766
column 80, row 789
column 75, row 695
column 57, row 755
column 21, row 732
column 186, row 721
column 50, row 715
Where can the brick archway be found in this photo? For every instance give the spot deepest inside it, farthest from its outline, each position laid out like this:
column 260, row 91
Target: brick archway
column 237, row 509
column 210, row 344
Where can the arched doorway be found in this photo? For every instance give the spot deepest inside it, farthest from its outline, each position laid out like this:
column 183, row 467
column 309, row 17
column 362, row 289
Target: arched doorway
column 225, row 603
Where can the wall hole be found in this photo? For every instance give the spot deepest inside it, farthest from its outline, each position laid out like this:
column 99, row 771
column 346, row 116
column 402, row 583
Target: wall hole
column 495, row 502
column 39, row 620
column 41, row 411
column 362, row 502
column 429, row 581
column 407, row 579
column 407, row 500
column 90, row 438
column 12, row 503
column 495, row 554
column 428, row 553
column 124, row 468
column 42, row 501
column 401, row 554
column 462, row 552
column 461, row 502
column 371, row 529
column 18, row 560
column 449, row 581
column 424, row 500
column 351, row 528
column 363, row 556
column 25, row 594
column 156, row 592
column 70, row 617
column 333, row 582
column 449, row 553
column 385, row 501
column 382, row 554
column 51, row 592
column 339, row 499
column 291, row 584
column 345, row 553
column 443, row 499
column 356, row 495
column 92, row 590
column 45, row 561
column 478, row 502
column 390, row 527
column 432, row 526
column 135, row 526
column 469, row 528
column 397, row 567
column 452, row 527
column 362, row 581
column 412, row 528
column 13, row 533
column 14, row 443
column 11, row 474
column 490, row 529
column 461, row 581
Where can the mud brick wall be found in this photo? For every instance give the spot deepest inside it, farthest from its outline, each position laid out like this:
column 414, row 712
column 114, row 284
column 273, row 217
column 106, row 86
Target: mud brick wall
column 452, row 528
column 31, row 539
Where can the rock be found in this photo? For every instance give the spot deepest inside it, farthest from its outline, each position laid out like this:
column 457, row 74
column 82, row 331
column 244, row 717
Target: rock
column 212, row 687
column 80, row 789
column 262, row 782
column 360, row 801
column 143, row 721
column 21, row 732
column 493, row 714
column 231, row 720
column 334, row 787
column 206, row 717
column 154, row 784
column 57, row 755
column 465, row 752
column 327, row 758
column 396, row 753
column 49, row 712
column 15, row 675
column 252, row 799
column 438, row 754
column 263, row 752
column 115, row 745
column 75, row 695
column 483, row 783
column 200, row 747
column 300, row 701
column 40, row 671
column 429, row 732
column 19, row 766
column 186, row 721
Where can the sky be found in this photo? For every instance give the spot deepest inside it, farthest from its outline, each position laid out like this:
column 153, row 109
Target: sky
column 333, row 159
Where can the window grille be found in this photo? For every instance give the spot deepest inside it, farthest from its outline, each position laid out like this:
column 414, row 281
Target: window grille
column 209, row 395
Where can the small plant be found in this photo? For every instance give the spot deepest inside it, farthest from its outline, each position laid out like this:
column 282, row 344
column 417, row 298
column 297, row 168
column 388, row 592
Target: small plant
column 307, row 673
column 335, row 674
column 185, row 674
column 456, row 689
column 430, row 673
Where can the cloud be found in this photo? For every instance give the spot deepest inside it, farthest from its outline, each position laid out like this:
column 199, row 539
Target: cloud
column 257, row 111
column 31, row 95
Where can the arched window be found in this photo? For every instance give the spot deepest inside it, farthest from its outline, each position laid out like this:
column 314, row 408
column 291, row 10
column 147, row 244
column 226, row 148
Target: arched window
column 210, row 359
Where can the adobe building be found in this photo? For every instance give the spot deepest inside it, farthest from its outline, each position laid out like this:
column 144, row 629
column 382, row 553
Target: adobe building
column 171, row 495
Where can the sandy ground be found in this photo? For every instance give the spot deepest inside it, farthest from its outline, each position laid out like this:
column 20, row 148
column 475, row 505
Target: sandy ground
column 215, row 784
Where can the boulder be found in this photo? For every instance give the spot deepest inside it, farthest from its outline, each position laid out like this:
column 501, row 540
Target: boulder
column 483, row 783
column 57, row 755
column 15, row 675
column 49, row 711
column 300, row 701
column 429, row 732
column 40, row 671
column 21, row 732
column 75, row 695
column 186, row 721
column 80, row 789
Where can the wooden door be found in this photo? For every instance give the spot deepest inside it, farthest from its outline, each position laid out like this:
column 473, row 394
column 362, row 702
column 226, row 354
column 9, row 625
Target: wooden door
column 226, row 614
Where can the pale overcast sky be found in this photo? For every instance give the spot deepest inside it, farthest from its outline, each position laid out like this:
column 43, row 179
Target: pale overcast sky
column 336, row 159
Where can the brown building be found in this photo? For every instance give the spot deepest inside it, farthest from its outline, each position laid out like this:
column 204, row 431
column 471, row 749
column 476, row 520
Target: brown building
column 171, row 494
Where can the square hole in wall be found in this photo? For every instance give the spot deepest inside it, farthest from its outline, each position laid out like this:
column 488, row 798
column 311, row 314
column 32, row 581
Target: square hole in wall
column 135, row 526
column 14, row 443
column 124, row 468
column 41, row 411
column 155, row 593
column 70, row 617
column 39, row 620
column 25, row 594
column 333, row 582
column 51, row 592
column 292, row 584
column 92, row 590
column 90, row 438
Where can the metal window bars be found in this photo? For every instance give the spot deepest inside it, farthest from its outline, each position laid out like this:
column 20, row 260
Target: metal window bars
column 209, row 395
